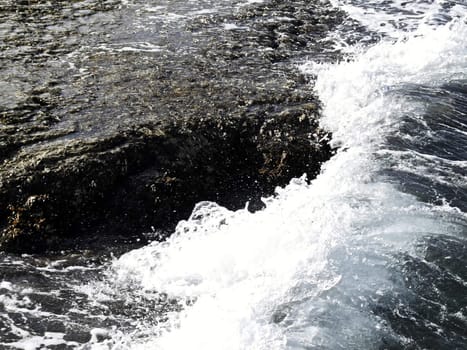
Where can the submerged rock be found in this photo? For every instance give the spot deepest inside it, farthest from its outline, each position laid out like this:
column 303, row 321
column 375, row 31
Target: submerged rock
column 105, row 133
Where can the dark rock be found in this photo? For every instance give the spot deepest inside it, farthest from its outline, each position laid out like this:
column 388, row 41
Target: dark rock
column 99, row 143
column 79, row 336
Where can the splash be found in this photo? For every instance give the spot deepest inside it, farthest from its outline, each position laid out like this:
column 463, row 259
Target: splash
column 319, row 254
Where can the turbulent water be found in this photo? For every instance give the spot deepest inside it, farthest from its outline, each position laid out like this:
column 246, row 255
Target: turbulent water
column 372, row 254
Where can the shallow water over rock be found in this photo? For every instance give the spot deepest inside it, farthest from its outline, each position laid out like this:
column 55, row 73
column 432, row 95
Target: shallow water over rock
column 118, row 116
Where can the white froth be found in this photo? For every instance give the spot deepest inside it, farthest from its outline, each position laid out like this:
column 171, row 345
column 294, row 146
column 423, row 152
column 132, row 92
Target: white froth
column 34, row 342
column 359, row 111
column 396, row 18
column 131, row 47
column 233, row 26
column 241, row 267
column 6, row 285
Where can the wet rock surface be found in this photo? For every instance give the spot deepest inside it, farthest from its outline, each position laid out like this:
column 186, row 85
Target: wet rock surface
column 116, row 117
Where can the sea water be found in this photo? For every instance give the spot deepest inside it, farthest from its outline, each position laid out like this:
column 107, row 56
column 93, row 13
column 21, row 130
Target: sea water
column 371, row 254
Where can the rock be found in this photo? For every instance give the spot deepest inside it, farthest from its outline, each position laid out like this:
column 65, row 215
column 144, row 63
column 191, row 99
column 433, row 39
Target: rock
column 105, row 143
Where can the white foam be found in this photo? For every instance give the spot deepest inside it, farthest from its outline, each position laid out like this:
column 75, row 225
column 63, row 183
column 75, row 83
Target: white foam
column 34, row 342
column 233, row 26
column 398, row 17
column 6, row 285
column 131, row 47
column 359, row 110
column 241, row 267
